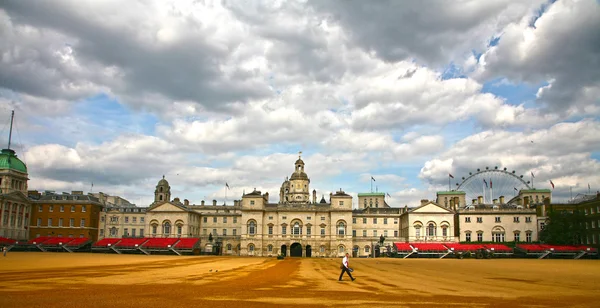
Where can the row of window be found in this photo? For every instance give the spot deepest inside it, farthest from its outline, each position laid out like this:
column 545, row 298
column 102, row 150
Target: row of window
column 252, row 248
column 375, row 234
column 61, row 222
column 214, row 219
column 114, row 232
column 431, row 230
column 296, row 229
column 16, row 184
column 59, row 235
column 14, row 219
column 61, row 208
column 215, row 233
column 590, row 211
column 499, row 236
column 166, row 229
column 115, row 219
column 497, row 219
column 375, row 220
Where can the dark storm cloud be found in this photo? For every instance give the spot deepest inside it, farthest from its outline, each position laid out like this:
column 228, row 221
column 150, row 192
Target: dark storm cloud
column 430, row 31
column 103, row 38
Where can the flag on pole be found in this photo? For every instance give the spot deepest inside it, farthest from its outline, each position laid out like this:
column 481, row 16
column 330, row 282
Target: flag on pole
column 388, row 195
column 589, row 186
column 533, row 176
column 227, row 185
column 450, row 175
column 516, row 189
column 486, row 185
column 552, row 184
column 372, row 178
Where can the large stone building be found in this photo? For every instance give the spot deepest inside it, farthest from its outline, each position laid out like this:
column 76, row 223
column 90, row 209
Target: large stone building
column 298, row 224
column 15, row 207
column 301, row 224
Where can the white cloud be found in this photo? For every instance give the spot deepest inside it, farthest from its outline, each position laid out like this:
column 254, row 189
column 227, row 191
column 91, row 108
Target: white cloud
column 561, row 153
column 560, row 48
column 237, row 86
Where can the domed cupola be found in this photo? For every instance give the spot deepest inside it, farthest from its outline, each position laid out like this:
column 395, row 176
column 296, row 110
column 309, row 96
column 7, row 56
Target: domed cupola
column 297, row 188
column 13, row 171
column 299, row 173
column 163, row 191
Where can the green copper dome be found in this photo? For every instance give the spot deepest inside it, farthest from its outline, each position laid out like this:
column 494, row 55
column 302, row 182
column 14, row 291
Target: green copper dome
column 9, row 160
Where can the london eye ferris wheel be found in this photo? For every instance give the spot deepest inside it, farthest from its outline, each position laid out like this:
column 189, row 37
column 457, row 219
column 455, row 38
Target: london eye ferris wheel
column 491, row 184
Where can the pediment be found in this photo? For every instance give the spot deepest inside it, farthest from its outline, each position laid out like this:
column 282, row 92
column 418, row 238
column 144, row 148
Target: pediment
column 432, row 207
column 167, row 207
column 17, row 196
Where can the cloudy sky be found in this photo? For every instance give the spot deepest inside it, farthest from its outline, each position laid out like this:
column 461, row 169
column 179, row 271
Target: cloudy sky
column 212, row 92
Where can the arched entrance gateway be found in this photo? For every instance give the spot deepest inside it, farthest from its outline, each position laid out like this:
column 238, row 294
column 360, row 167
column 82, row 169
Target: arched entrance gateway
column 283, row 250
column 308, row 251
column 296, row 250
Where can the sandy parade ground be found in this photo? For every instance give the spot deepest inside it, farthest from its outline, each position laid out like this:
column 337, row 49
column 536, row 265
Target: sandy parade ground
column 32, row 279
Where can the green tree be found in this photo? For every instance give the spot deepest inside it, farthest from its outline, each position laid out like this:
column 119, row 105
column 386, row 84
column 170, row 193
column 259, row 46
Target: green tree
column 564, row 228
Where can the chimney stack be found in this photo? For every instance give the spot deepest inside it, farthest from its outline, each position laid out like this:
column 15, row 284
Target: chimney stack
column 474, row 201
column 186, row 202
column 214, row 202
column 501, row 199
column 495, row 201
column 479, row 199
column 202, row 202
column 424, row 201
column 314, row 196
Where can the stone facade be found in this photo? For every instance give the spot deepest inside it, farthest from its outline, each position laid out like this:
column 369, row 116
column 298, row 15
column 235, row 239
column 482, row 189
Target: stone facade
column 497, row 223
column 429, row 222
column 65, row 215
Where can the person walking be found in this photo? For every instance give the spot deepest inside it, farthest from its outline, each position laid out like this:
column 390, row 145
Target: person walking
column 4, row 250
column 345, row 268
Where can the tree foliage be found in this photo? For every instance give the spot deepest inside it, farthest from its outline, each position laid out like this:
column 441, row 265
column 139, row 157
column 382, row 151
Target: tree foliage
column 564, row 228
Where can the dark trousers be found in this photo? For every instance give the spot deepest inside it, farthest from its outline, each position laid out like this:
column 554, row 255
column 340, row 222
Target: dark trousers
column 345, row 270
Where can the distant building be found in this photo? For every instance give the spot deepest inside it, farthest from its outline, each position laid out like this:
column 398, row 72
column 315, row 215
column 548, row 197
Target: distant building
column 65, row 215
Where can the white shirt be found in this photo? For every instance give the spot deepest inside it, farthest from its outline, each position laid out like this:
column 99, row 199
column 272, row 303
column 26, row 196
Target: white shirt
column 345, row 261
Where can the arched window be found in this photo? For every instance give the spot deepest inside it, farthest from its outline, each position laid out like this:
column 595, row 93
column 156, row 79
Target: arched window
column 367, row 249
column 418, row 231
column 166, row 228
column 113, row 232
column 154, row 227
column 341, row 228
column 297, row 229
column 341, row 248
column 160, row 189
column 160, row 197
column 251, row 247
column 431, row 229
column 270, row 248
column 228, row 247
column 444, row 231
column 252, row 228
